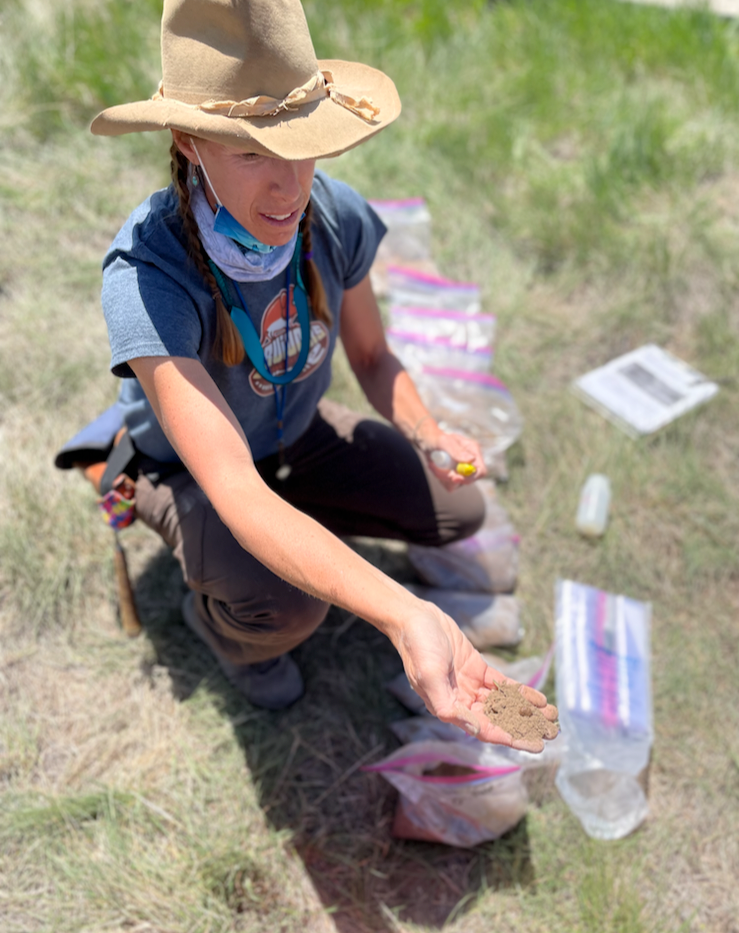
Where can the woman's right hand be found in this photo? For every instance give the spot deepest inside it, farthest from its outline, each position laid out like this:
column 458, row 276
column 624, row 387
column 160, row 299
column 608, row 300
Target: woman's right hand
column 453, row 679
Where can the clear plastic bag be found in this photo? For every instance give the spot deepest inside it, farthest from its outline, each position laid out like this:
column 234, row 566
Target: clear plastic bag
column 410, row 287
column 472, row 403
column 406, row 243
column 486, row 562
column 448, row 795
column 488, row 621
column 408, row 223
column 495, row 514
column 422, row 337
column 418, row 351
column 454, row 329
column 605, row 707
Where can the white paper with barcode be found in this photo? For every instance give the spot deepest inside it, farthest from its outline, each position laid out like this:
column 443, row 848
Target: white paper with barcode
column 645, row 389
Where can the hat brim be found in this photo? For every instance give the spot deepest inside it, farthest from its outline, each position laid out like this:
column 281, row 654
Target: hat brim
column 317, row 130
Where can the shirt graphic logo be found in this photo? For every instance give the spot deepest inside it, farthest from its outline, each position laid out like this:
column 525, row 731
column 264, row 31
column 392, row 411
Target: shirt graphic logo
column 272, row 338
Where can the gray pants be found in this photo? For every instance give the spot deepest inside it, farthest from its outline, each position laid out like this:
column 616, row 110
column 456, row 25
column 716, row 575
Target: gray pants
column 354, row 475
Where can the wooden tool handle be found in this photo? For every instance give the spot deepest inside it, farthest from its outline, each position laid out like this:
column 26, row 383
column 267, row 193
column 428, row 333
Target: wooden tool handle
column 130, row 621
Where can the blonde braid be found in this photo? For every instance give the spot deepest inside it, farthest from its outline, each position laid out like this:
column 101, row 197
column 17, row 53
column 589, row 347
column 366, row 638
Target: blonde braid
column 228, row 343
column 316, row 292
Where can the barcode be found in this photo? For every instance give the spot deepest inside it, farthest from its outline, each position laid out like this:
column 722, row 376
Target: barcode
column 651, row 384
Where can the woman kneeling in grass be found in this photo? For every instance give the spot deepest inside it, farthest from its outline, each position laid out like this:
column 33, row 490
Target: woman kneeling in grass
column 224, row 295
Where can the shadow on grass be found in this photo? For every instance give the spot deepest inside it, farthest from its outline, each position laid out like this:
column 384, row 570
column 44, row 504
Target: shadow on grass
column 306, row 765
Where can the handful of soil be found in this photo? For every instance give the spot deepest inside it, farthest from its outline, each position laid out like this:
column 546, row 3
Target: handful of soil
column 508, row 708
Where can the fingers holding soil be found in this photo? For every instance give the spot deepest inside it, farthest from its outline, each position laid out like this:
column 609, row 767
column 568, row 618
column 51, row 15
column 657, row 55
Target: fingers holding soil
column 494, row 678
column 509, row 708
column 536, row 697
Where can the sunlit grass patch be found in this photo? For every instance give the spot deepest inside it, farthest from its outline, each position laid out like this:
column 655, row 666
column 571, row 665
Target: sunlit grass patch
column 70, row 60
column 560, row 130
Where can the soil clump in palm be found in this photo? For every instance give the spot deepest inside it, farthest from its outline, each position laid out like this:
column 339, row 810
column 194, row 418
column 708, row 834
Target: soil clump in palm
column 509, row 709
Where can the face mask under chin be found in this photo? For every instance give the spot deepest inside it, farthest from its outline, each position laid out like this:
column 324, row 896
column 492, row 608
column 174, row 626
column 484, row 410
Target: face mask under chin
column 229, row 226
column 226, row 224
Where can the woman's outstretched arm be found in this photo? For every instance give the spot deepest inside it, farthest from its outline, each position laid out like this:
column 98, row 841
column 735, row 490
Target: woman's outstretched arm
column 444, row 669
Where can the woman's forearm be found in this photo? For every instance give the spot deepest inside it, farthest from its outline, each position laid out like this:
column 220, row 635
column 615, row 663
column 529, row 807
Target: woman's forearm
column 300, row 550
column 393, row 394
column 442, row 666
column 210, row 442
column 383, row 378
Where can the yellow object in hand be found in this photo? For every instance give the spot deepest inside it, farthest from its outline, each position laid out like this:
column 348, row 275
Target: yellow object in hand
column 444, row 461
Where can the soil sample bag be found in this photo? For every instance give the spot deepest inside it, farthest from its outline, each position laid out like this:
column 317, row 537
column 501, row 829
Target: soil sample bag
column 460, row 329
column 605, row 706
column 431, row 337
column 407, row 241
column 421, row 290
column 486, row 562
column 488, row 621
column 416, row 351
column 538, row 770
column 473, row 403
column 448, row 795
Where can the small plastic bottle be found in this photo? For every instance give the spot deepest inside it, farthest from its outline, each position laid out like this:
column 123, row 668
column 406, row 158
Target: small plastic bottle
column 444, row 461
column 592, row 510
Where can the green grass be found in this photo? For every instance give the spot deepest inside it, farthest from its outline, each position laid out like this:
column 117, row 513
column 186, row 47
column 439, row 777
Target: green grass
column 581, row 162
column 70, row 60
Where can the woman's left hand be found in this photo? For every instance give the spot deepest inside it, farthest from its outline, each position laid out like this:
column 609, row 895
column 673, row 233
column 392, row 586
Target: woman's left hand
column 461, row 450
column 453, row 679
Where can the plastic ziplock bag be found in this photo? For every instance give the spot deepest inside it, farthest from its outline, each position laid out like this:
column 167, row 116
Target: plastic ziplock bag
column 476, row 404
column 447, row 795
column 486, row 562
column 417, row 351
column 408, row 223
column 420, row 289
column 466, row 331
column 605, row 706
column 407, row 241
column 538, row 770
column 431, row 337
column 488, row 621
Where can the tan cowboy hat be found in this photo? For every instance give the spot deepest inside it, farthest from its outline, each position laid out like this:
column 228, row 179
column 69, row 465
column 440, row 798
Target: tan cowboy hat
column 244, row 73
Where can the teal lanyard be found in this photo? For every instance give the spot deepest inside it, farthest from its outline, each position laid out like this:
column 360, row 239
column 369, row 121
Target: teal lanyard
column 248, row 331
column 252, row 343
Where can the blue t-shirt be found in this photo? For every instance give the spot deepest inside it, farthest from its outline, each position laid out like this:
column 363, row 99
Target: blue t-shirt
column 156, row 303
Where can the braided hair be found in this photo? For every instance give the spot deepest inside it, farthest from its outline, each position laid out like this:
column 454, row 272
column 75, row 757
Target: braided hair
column 228, row 343
column 316, row 293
